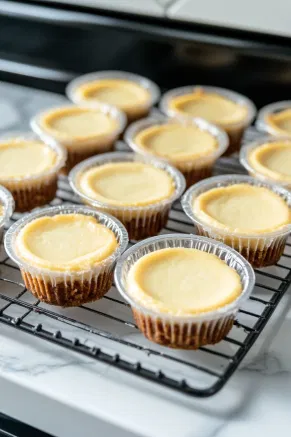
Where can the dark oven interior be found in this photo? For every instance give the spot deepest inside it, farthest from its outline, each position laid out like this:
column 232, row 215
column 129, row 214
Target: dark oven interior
column 77, row 40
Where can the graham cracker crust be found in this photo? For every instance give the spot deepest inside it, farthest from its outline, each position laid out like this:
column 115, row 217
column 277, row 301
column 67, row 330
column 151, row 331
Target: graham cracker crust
column 235, row 139
column 139, row 229
column 196, row 174
column 137, row 116
column 76, row 156
column 183, row 336
column 258, row 258
column 29, row 198
column 266, row 257
column 68, row 294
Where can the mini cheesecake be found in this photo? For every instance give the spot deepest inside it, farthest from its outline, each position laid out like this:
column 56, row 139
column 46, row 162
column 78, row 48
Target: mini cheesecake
column 253, row 219
column 29, row 170
column 124, row 94
column 138, row 190
column 211, row 106
column 133, row 94
column 183, row 282
column 270, row 160
column 127, row 184
column 84, row 132
column 243, row 209
column 66, row 243
column 224, row 108
column 132, row 191
column 184, row 290
column 280, row 122
column 193, row 147
column 66, row 258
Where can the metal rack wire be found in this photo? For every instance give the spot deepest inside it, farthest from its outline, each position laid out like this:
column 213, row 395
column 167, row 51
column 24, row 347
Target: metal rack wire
column 105, row 330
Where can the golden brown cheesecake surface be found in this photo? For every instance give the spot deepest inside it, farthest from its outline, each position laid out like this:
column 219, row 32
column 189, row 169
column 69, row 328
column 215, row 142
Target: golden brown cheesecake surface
column 68, row 242
column 21, row 158
column 242, row 208
column 124, row 94
column 210, row 106
column 182, row 281
column 176, row 141
column 281, row 121
column 77, row 124
column 127, row 184
column 272, row 160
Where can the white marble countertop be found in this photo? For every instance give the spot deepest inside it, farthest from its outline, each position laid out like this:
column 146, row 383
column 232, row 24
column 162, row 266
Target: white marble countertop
column 66, row 394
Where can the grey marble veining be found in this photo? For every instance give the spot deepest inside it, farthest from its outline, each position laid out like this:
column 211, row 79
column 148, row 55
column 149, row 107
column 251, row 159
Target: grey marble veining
column 19, row 104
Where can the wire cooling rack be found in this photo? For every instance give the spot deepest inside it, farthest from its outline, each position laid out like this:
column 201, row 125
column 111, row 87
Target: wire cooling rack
column 105, row 330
